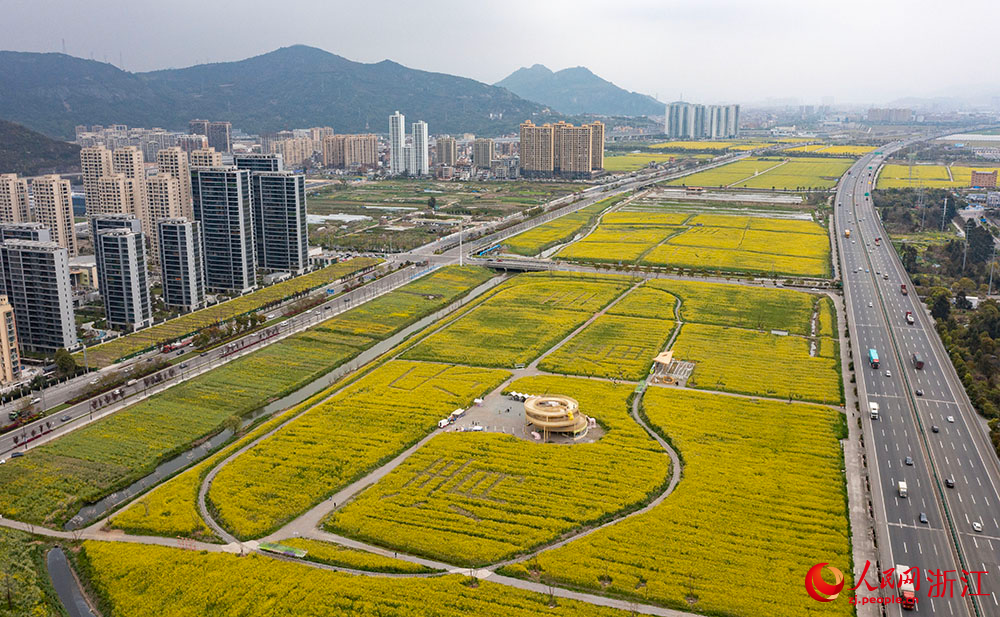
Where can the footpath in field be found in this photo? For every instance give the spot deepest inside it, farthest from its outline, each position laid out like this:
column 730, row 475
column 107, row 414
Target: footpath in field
column 50, row 483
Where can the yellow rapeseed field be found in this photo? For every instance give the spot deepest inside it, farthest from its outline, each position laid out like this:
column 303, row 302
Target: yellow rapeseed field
column 476, row 498
column 761, row 500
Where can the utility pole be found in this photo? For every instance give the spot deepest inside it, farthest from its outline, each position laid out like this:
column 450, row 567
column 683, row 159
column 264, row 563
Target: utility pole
column 461, row 253
column 944, row 210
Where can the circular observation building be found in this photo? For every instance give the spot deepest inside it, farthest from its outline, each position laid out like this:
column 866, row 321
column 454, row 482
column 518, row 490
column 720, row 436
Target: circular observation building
column 556, row 414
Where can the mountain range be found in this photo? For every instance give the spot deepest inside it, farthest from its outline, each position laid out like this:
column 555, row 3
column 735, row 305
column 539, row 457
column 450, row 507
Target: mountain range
column 578, row 91
column 25, row 152
column 296, row 86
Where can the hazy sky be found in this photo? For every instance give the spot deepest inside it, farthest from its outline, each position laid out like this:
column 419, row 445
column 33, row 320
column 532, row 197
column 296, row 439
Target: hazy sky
column 709, row 50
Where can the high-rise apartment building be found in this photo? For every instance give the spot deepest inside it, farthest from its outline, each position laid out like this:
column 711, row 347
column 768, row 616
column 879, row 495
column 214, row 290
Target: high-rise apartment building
column 116, row 194
column 129, row 162
column 483, row 153
column 349, row 151
column 198, row 127
column 294, row 151
column 279, row 206
column 124, row 280
column 536, row 147
column 106, row 222
column 174, row 161
column 259, row 162
column 692, row 121
column 223, row 204
column 220, row 136
column 95, row 163
column 190, row 143
column 25, row 231
column 420, row 165
column 10, row 353
column 561, row 149
column 397, row 140
column 163, row 201
column 205, row 157
column 54, row 209
column 446, row 149
column 35, row 279
column 181, row 267
column 14, row 206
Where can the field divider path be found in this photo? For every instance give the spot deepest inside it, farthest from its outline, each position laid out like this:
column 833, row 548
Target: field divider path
column 534, row 364
column 591, row 227
column 757, row 175
column 359, row 363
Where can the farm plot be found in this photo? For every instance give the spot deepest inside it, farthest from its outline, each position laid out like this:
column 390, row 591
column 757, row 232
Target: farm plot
column 741, row 306
column 902, row 176
column 627, row 217
column 755, row 504
column 519, row 321
column 107, row 353
column 343, row 557
column 613, row 346
column 707, row 241
column 616, row 243
column 728, row 174
column 722, row 260
column 152, row 581
column 759, row 363
column 333, row 444
column 562, row 229
column 634, row 161
column 54, row 480
column 27, row 586
column 476, row 498
column 801, row 173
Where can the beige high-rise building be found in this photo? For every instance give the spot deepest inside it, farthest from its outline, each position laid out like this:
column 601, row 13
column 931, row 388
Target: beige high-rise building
column 346, row 151
column 596, row 145
column 536, row 149
column 129, row 161
column 562, row 149
column 14, row 199
column 54, row 209
column 572, row 149
column 116, row 194
column 95, row 162
column 10, row 354
column 206, row 157
column 294, row 151
column 483, row 153
column 446, row 149
column 174, row 161
column 165, row 202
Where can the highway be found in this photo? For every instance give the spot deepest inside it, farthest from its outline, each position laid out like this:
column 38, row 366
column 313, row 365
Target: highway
column 937, row 428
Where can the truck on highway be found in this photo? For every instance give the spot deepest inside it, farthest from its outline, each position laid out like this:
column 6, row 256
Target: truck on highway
column 909, row 317
column 901, row 488
column 902, row 289
column 873, row 410
column 918, row 362
column 907, row 595
column 873, row 358
column 847, row 233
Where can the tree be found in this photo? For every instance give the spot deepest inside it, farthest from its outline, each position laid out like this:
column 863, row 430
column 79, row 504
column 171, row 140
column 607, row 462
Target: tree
column 432, row 202
column 65, row 362
column 940, row 303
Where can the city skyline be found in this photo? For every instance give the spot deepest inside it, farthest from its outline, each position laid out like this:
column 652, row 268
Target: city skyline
column 640, row 59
